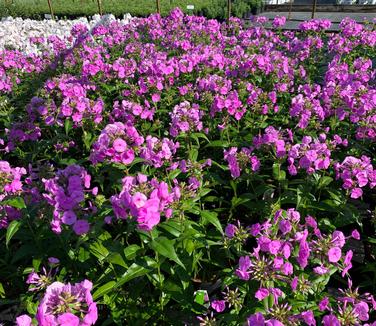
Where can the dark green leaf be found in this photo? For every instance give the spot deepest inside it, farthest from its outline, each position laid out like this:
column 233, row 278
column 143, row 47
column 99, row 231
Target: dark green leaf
column 11, row 231
column 16, row 202
column 165, row 247
column 212, row 218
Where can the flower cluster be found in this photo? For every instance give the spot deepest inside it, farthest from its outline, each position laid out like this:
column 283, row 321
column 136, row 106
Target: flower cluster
column 309, row 155
column 307, row 105
column 356, row 173
column 117, row 143
column 144, row 200
column 67, row 98
column 65, row 304
column 239, row 161
column 10, row 186
column 156, row 151
column 185, row 118
column 66, row 193
column 285, row 249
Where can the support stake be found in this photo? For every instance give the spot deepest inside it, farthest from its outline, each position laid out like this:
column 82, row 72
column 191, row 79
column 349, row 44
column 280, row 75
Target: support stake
column 51, row 11
column 100, row 10
column 158, row 6
column 290, row 8
column 314, row 8
column 228, row 11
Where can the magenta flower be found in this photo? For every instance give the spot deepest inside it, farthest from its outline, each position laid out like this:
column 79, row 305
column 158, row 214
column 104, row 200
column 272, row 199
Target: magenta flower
column 347, row 262
column 321, row 270
column 149, row 215
column 81, row 227
column 243, row 271
column 330, row 320
column 230, row 230
column 334, row 254
column 218, row 305
column 53, row 260
column 68, row 319
column 308, row 318
column 66, row 193
column 119, row 145
column 362, row 309
column 23, row 320
column 261, row 294
column 355, row 234
column 66, row 304
column 304, row 252
column 285, row 226
column 324, row 304
column 256, row 319
column 287, row 269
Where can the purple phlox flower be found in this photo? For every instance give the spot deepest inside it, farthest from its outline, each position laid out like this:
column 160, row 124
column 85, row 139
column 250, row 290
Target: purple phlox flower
column 23, row 320
column 243, row 271
column 218, row 305
column 308, row 317
column 330, row 320
column 261, row 293
column 66, row 303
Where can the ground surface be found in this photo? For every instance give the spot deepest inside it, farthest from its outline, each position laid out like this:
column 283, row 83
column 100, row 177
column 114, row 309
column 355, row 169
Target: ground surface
column 297, row 17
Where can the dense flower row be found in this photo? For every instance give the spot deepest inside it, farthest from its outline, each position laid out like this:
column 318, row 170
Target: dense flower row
column 127, row 148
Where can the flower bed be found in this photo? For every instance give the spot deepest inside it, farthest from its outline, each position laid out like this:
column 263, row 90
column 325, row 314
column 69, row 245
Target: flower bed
column 24, row 34
column 179, row 171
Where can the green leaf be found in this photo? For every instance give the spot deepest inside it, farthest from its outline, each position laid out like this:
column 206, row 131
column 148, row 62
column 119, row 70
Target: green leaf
column 133, row 271
column 2, row 291
column 325, row 181
column 98, row 250
column 174, row 173
column 212, row 218
column 198, row 135
column 11, row 231
column 165, row 247
column 193, row 154
column 101, row 291
column 16, row 202
column 278, row 174
column 200, row 296
column 67, row 126
column 218, row 143
column 117, row 259
column 88, row 139
column 130, row 252
column 172, row 227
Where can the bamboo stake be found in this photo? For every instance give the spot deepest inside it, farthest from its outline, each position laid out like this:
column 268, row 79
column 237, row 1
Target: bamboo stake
column 158, row 6
column 99, row 2
column 51, row 11
column 228, row 11
column 290, row 8
column 314, row 8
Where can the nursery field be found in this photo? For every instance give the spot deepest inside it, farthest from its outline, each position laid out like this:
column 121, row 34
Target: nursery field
column 181, row 171
column 77, row 8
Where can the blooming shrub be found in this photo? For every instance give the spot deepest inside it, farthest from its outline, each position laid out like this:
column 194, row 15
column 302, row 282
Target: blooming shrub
column 180, row 170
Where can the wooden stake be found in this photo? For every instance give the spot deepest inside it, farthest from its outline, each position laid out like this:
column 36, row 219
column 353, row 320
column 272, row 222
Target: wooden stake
column 290, row 8
column 99, row 2
column 158, row 6
column 314, row 8
column 51, row 11
column 228, row 11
